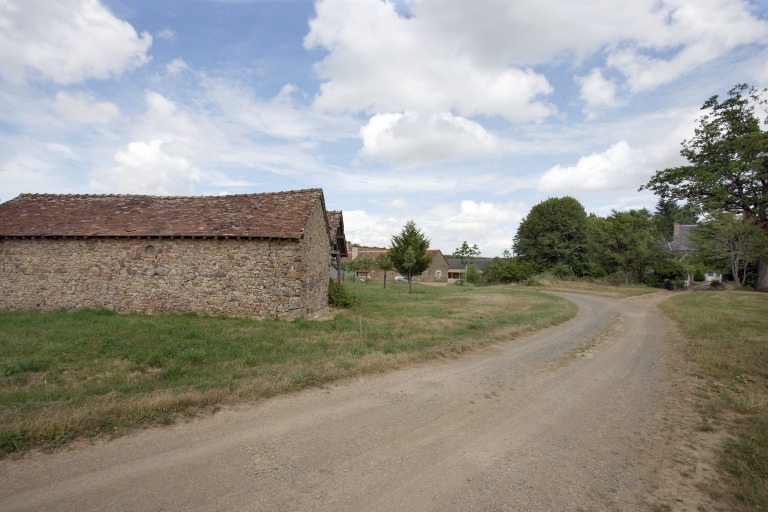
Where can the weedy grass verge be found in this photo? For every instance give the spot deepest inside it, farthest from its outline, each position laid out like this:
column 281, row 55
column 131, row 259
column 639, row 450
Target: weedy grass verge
column 74, row 374
column 727, row 338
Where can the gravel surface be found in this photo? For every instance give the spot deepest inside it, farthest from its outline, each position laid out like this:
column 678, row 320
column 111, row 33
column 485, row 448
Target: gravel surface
column 570, row 418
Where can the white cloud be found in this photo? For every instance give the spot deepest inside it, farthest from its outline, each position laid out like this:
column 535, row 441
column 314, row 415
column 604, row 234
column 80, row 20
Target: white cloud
column 35, row 170
column 691, row 34
column 176, row 66
column 148, row 168
column 167, row 34
column 382, row 62
column 475, row 216
column 370, row 230
column 414, row 138
column 477, row 58
column 83, row 108
column 283, row 116
column 618, row 167
column 597, row 92
column 66, row 41
column 165, row 120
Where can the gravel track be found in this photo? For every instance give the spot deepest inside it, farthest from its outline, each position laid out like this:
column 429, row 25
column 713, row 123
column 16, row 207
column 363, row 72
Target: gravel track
column 566, row 419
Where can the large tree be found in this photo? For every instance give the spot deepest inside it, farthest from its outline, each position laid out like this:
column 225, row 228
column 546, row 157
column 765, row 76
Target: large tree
column 729, row 242
column 728, row 164
column 633, row 243
column 408, row 252
column 554, row 232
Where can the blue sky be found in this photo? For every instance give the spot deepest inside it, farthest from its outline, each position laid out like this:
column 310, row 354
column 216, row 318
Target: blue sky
column 459, row 115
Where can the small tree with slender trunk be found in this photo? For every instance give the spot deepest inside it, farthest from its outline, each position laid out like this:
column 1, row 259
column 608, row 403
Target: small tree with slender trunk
column 364, row 263
column 466, row 253
column 408, row 252
column 384, row 264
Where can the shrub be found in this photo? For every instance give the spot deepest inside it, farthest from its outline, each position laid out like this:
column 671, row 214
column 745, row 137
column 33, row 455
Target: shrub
column 562, row 271
column 508, row 270
column 667, row 270
column 338, row 295
column 699, row 276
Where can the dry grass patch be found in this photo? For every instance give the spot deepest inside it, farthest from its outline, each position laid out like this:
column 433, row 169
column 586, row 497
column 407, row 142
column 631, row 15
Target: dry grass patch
column 726, row 336
column 593, row 288
column 66, row 374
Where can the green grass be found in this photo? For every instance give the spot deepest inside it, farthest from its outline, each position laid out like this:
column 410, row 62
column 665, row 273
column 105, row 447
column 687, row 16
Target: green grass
column 70, row 374
column 727, row 336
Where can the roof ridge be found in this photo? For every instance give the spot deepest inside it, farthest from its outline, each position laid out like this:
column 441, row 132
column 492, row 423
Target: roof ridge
column 89, row 196
column 283, row 214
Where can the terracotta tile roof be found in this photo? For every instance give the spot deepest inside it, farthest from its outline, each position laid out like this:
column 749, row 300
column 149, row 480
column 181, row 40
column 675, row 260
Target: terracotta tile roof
column 375, row 253
column 336, row 229
column 272, row 215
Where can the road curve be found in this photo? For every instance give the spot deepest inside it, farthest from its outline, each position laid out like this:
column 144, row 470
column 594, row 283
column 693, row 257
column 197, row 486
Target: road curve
column 565, row 419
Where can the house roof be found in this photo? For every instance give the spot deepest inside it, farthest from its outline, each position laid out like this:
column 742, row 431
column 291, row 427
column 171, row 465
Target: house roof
column 480, row 263
column 336, row 227
column 375, row 253
column 680, row 241
column 281, row 215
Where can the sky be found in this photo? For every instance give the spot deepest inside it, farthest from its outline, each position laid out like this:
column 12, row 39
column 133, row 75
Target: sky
column 459, row 115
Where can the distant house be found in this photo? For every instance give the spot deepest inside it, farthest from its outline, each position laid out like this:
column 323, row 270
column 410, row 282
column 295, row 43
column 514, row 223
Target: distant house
column 681, row 246
column 456, row 268
column 436, row 273
column 251, row 255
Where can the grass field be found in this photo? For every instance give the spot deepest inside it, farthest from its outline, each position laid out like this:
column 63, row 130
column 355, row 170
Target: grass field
column 84, row 373
column 727, row 339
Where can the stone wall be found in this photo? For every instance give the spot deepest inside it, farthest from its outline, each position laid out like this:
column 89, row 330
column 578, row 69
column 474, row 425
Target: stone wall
column 315, row 262
column 249, row 278
column 436, row 273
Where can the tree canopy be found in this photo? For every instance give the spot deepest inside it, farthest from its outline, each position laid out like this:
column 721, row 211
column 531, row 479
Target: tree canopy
column 627, row 243
column 554, row 233
column 408, row 251
column 728, row 164
column 729, row 243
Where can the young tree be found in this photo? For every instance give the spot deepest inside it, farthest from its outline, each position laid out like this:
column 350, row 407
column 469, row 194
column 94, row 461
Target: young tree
column 347, row 266
column 554, row 232
column 364, row 264
column 408, row 252
column 728, row 171
column 384, row 264
column 465, row 253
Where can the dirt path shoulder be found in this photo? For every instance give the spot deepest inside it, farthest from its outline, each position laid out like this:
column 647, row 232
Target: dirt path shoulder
column 571, row 418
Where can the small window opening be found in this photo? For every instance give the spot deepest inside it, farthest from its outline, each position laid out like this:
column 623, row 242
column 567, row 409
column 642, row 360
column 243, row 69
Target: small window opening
column 150, row 251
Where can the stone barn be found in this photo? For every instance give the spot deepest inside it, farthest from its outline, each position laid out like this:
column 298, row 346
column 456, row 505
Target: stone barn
column 250, row 255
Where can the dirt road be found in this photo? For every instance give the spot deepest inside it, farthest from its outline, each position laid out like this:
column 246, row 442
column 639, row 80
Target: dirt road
column 567, row 419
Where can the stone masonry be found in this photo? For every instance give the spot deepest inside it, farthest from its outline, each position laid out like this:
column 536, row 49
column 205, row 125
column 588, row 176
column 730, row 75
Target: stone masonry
column 248, row 277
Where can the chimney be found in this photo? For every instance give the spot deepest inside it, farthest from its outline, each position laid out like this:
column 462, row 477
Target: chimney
column 677, row 228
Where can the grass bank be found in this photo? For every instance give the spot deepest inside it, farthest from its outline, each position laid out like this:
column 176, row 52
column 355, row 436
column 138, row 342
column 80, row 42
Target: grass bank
column 69, row 374
column 727, row 338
